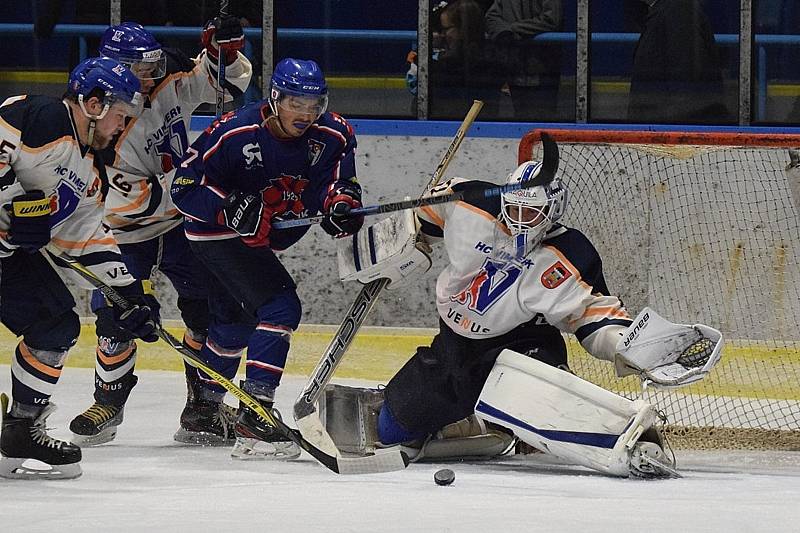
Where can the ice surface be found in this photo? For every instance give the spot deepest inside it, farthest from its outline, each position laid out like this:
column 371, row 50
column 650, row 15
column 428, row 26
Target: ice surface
column 144, row 481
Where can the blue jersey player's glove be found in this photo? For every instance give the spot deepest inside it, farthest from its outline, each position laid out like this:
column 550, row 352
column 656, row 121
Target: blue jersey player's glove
column 338, row 221
column 250, row 215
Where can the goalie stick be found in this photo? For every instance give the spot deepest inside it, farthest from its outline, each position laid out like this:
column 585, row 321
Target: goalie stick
column 305, row 409
column 388, row 461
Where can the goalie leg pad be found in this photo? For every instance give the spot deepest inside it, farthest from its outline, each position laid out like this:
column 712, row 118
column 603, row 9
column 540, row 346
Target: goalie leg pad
column 350, row 415
column 469, row 438
column 564, row 415
column 386, row 249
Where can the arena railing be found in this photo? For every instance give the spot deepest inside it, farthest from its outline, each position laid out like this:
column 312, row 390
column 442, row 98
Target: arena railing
column 761, row 41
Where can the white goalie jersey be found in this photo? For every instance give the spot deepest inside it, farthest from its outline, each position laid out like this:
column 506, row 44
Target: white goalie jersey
column 483, row 293
column 143, row 159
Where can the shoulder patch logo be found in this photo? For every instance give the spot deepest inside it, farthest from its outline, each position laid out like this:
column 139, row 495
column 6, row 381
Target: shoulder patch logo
column 315, row 149
column 555, row 275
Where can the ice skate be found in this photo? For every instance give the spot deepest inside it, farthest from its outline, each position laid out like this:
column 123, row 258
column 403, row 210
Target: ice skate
column 26, row 439
column 97, row 425
column 255, row 439
column 648, row 458
column 207, row 423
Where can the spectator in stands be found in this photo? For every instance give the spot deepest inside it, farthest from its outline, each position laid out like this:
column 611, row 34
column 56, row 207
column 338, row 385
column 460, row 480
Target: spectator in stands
column 676, row 75
column 533, row 69
column 463, row 66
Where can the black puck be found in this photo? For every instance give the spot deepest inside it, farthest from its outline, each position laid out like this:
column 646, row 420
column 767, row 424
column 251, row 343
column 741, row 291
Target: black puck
column 445, row 476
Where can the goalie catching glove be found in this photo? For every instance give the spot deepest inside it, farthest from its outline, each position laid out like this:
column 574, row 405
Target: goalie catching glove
column 667, row 354
column 387, row 249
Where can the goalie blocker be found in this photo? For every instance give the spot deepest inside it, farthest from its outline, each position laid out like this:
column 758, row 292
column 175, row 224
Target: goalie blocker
column 387, row 249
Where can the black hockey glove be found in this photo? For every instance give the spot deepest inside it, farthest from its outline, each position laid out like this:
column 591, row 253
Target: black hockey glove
column 225, row 33
column 139, row 322
column 338, row 221
column 250, row 215
column 30, row 221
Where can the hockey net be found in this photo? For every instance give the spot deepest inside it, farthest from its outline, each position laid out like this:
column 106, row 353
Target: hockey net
column 704, row 228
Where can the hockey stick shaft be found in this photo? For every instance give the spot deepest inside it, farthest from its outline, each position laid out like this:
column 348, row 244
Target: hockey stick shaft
column 339, row 465
column 223, row 12
column 412, row 204
column 323, row 372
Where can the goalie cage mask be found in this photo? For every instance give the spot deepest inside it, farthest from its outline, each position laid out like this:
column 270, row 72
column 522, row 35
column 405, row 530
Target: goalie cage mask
column 528, row 213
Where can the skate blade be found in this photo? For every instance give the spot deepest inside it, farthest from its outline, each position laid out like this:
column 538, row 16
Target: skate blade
column 200, row 438
column 253, row 449
column 86, row 441
column 22, row 468
column 656, row 469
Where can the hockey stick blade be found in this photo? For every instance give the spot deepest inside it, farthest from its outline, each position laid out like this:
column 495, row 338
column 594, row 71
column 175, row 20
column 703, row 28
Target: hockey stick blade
column 356, row 465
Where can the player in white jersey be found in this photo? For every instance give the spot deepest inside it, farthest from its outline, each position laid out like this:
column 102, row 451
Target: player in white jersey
column 515, row 280
column 50, row 183
column 145, row 222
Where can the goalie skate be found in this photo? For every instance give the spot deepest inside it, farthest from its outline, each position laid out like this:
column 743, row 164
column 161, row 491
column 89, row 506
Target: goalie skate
column 648, row 460
column 23, row 440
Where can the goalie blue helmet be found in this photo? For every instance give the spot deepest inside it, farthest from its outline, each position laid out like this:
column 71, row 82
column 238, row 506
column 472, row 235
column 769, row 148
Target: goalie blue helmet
column 136, row 48
column 303, row 80
column 108, row 79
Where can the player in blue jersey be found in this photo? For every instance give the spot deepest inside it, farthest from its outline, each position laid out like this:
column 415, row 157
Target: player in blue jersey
column 284, row 157
column 140, row 163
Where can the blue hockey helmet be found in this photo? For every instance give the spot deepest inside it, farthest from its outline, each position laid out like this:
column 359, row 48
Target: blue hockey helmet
column 303, row 80
column 136, row 48
column 115, row 82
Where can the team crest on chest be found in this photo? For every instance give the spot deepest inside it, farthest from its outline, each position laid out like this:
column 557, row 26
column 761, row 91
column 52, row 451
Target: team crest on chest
column 315, row 149
column 555, row 275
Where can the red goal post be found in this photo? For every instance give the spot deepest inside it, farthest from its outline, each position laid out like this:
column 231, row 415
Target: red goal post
column 703, row 227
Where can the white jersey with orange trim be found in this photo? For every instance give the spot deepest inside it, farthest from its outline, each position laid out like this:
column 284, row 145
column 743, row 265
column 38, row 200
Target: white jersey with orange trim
column 138, row 204
column 40, row 150
column 483, row 295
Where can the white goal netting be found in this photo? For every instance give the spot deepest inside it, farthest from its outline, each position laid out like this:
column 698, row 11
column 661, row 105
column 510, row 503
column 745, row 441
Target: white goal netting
column 703, row 228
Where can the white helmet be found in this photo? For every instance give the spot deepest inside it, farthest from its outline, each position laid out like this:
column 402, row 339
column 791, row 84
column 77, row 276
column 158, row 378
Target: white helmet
column 530, row 212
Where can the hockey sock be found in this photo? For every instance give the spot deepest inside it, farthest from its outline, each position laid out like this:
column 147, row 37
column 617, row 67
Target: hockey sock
column 34, row 374
column 390, row 431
